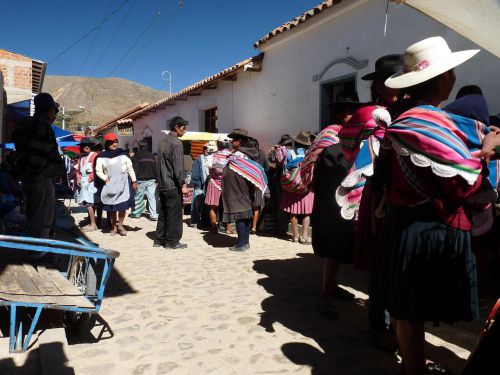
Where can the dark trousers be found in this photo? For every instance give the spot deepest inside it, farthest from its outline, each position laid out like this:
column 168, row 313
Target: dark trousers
column 40, row 205
column 243, row 229
column 169, row 226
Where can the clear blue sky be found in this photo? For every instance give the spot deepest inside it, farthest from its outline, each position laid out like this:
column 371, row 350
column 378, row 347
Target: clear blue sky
column 192, row 41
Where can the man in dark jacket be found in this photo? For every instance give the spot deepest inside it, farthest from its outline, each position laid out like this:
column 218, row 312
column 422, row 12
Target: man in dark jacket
column 171, row 186
column 39, row 163
column 146, row 171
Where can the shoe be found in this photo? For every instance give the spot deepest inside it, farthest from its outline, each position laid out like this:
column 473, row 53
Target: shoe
column 153, row 218
column 327, row 309
column 239, row 248
column 157, row 244
column 342, row 294
column 193, row 225
column 176, row 246
column 134, row 217
column 253, row 231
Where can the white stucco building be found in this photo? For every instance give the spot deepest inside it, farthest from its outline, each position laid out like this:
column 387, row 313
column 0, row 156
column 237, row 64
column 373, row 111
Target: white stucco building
column 300, row 66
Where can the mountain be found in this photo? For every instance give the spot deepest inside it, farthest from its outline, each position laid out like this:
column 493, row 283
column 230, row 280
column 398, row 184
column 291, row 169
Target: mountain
column 93, row 101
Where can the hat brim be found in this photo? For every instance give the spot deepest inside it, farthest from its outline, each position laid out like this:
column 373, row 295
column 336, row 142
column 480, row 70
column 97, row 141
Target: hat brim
column 286, row 143
column 402, row 80
column 301, row 142
column 234, row 136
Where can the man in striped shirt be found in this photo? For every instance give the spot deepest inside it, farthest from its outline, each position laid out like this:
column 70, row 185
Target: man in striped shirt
column 38, row 163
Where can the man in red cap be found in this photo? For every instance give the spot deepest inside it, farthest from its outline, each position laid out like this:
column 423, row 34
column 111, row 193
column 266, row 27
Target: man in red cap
column 39, row 162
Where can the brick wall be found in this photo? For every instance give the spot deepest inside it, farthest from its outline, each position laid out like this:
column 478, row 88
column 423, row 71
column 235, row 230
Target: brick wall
column 22, row 77
column 17, row 73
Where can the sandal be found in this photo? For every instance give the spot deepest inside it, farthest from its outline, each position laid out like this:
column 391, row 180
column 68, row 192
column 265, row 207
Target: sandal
column 304, row 241
column 294, row 239
column 342, row 294
column 89, row 228
column 112, row 232
column 253, row 231
column 122, row 232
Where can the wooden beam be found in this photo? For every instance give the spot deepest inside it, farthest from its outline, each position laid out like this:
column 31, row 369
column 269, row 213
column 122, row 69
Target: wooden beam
column 211, row 87
column 232, row 77
column 196, row 93
column 183, row 98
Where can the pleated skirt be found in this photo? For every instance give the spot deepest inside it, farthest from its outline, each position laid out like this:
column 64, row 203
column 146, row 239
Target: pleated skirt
column 297, row 204
column 428, row 269
column 212, row 195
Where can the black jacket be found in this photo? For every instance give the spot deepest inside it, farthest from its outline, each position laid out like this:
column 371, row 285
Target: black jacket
column 171, row 174
column 145, row 167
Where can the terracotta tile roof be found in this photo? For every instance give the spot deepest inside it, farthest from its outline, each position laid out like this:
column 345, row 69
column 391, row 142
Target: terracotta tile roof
column 252, row 63
column 297, row 21
column 121, row 119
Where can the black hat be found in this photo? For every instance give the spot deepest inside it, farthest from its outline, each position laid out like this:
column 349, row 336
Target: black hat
column 285, row 140
column 89, row 141
column 45, row 102
column 238, row 134
column 142, row 144
column 385, row 67
column 344, row 98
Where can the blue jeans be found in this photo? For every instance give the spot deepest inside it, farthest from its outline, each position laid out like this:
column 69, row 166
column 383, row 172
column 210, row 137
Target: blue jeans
column 197, row 203
column 147, row 187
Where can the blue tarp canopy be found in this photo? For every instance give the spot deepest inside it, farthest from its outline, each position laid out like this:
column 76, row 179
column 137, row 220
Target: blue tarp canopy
column 21, row 110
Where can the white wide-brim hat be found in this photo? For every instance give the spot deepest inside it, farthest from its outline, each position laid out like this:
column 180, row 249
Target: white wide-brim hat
column 425, row 60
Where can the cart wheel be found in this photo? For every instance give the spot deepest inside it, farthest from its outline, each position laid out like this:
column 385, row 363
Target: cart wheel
column 78, row 322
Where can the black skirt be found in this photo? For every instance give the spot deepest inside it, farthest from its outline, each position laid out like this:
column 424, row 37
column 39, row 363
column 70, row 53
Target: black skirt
column 428, row 269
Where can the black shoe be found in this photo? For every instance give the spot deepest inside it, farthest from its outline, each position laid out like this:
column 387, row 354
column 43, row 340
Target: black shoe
column 157, row 244
column 176, row 246
column 240, row 248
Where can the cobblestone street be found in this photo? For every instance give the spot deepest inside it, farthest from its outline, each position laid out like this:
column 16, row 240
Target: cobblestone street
column 209, row 310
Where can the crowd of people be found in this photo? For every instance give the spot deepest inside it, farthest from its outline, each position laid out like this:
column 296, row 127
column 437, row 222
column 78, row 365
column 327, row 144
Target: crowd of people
column 398, row 186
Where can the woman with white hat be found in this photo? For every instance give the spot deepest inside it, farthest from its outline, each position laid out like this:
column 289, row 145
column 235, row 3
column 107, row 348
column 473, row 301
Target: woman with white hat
column 431, row 177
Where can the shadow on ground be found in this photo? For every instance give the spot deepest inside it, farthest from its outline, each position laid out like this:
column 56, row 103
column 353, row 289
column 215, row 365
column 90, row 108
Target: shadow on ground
column 54, row 361
column 219, row 239
column 344, row 344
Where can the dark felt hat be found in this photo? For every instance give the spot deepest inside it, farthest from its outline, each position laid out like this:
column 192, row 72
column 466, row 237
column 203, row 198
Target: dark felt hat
column 285, row 140
column 345, row 98
column 238, row 134
column 385, row 67
column 304, row 138
column 89, row 141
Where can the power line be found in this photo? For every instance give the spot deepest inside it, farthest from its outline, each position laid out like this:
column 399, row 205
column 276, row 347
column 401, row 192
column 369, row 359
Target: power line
column 95, row 39
column 113, row 37
column 148, row 26
column 103, row 21
column 148, row 43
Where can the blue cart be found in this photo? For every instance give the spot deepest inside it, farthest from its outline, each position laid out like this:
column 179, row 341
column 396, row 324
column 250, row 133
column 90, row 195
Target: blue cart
column 28, row 288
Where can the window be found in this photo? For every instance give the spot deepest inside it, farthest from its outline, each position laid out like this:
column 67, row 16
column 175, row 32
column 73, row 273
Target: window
column 211, row 120
column 329, row 92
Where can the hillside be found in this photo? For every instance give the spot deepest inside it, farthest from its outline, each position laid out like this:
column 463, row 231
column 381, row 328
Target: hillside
column 93, row 101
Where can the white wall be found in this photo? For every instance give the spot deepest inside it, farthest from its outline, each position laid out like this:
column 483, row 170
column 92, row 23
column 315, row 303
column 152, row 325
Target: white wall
column 283, row 98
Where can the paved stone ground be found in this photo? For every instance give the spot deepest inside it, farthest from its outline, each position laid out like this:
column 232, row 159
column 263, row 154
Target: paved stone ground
column 208, row 310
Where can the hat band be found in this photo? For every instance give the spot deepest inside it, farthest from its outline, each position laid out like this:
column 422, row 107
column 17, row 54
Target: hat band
column 424, row 64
